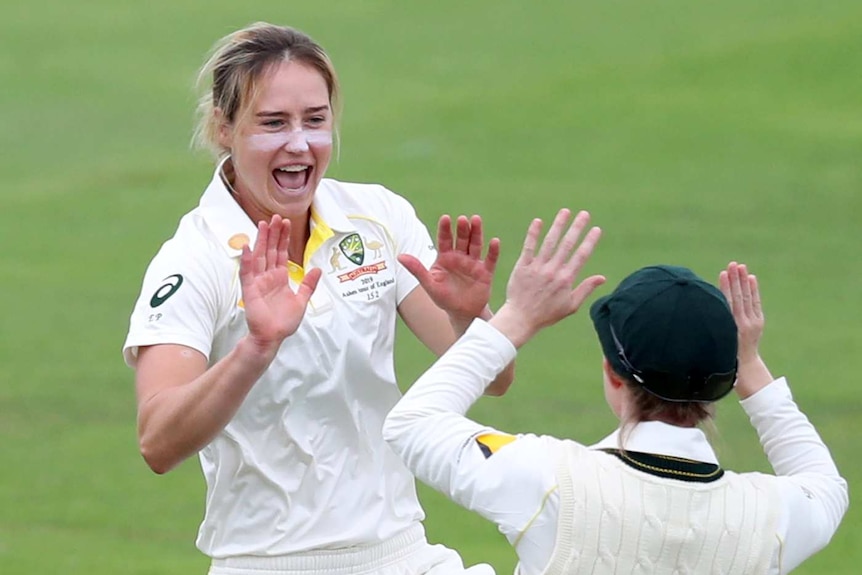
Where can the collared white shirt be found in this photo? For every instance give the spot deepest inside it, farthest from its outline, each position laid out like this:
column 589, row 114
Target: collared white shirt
column 302, row 465
column 511, row 479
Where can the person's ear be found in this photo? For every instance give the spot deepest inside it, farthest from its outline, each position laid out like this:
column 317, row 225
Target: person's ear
column 225, row 131
column 613, row 379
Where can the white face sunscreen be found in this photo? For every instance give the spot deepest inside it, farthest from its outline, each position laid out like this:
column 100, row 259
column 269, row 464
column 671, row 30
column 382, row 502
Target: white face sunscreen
column 293, row 141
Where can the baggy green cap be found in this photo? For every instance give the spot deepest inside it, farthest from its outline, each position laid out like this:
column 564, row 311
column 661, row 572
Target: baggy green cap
column 670, row 331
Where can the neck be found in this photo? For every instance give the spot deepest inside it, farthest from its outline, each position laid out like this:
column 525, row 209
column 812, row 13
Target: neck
column 300, row 230
column 299, row 233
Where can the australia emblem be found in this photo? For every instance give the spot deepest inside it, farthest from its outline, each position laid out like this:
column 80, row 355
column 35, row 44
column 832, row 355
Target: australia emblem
column 353, row 249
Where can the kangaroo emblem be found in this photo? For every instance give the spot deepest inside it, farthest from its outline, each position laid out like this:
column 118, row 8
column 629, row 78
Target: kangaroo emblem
column 334, row 259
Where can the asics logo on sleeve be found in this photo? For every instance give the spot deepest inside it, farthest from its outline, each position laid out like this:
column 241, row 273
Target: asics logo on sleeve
column 166, row 290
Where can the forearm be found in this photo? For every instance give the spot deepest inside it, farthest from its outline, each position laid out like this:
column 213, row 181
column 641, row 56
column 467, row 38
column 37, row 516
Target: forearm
column 790, row 441
column 752, row 376
column 794, row 448
column 501, row 383
column 178, row 421
column 426, row 427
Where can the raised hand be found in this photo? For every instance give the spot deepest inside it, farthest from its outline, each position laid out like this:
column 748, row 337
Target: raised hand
column 740, row 289
column 459, row 281
column 272, row 310
column 539, row 292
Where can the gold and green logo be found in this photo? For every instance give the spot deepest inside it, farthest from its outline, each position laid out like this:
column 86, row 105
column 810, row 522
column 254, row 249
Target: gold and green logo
column 352, row 248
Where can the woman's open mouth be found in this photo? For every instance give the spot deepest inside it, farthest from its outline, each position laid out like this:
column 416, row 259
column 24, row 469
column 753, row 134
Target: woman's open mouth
column 292, row 178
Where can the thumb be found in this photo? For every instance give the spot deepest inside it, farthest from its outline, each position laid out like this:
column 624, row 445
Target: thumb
column 309, row 284
column 585, row 290
column 415, row 267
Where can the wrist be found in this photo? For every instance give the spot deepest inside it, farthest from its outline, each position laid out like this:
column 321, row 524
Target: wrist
column 752, row 376
column 460, row 323
column 257, row 351
column 508, row 322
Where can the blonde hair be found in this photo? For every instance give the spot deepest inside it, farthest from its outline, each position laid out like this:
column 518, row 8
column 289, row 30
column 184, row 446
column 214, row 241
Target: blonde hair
column 228, row 79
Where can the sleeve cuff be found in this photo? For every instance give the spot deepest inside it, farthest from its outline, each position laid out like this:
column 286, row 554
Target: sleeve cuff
column 481, row 330
column 767, row 398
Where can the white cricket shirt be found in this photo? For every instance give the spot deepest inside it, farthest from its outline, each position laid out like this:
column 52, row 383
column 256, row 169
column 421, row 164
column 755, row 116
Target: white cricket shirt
column 511, row 479
column 302, row 465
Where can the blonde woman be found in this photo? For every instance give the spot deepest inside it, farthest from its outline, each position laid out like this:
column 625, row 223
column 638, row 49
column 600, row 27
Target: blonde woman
column 262, row 340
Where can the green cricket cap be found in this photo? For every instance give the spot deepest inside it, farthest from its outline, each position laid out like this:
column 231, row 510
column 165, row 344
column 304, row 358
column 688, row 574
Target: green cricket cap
column 670, row 331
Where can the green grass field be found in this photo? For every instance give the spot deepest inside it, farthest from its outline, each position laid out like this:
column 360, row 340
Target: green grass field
column 695, row 133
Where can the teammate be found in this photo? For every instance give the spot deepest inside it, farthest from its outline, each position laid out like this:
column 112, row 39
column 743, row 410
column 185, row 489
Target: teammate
column 274, row 363
column 652, row 496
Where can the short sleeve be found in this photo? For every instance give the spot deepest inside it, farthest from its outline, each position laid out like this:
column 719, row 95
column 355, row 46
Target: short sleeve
column 411, row 237
column 178, row 303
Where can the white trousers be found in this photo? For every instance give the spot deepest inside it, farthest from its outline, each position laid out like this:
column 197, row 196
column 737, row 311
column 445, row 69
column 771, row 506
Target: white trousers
column 407, row 553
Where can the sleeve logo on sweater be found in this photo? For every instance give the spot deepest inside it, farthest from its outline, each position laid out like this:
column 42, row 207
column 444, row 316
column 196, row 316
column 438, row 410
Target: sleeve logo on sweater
column 167, row 289
column 491, row 443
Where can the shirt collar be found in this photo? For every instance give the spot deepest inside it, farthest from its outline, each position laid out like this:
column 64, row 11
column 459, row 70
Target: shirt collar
column 660, row 438
column 233, row 228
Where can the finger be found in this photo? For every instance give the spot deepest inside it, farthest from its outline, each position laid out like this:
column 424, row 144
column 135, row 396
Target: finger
column 308, row 285
column 584, row 251
column 570, row 239
column 444, row 234
column 415, row 267
column 528, row 251
column 724, row 285
column 493, row 255
column 756, row 306
column 462, row 239
column 282, row 254
column 736, row 290
column 745, row 288
column 549, row 245
column 246, row 265
column 477, row 239
column 274, row 239
column 260, row 246
column 585, row 290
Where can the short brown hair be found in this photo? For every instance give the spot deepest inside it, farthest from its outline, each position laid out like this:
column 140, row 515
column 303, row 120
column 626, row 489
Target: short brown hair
column 647, row 407
column 228, row 78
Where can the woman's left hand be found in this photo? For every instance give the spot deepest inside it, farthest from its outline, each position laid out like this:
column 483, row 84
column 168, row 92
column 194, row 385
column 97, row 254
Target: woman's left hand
column 459, row 281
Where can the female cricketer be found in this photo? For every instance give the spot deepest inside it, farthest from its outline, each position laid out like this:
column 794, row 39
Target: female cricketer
column 651, row 497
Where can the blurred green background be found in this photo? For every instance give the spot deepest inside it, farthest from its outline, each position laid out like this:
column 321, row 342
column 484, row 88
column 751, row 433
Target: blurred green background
column 694, row 132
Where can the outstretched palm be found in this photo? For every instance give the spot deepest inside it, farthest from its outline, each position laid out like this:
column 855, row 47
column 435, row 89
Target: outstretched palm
column 742, row 293
column 459, row 281
column 272, row 310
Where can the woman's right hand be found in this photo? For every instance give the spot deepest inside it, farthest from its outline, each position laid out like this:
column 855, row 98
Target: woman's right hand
column 272, row 310
column 740, row 289
column 539, row 292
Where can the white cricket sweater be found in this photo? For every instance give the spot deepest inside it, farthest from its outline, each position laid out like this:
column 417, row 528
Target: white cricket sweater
column 618, row 518
column 512, row 479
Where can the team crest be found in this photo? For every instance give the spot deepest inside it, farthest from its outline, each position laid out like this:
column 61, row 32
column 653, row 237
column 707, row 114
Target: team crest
column 353, row 249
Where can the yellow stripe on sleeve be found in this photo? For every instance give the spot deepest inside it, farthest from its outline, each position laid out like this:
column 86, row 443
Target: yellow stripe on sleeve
column 490, row 443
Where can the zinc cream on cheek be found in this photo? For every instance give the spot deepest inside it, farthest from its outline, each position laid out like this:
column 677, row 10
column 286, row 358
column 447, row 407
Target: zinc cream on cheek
column 294, row 141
